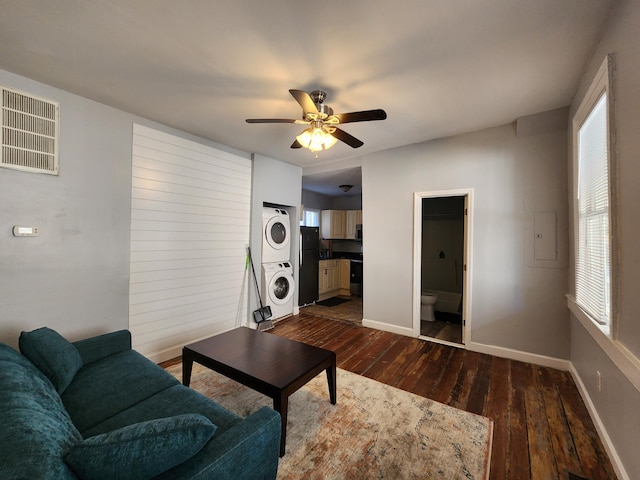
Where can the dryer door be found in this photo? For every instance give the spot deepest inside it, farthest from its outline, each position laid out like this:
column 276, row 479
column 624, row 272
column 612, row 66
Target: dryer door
column 276, row 232
column 280, row 288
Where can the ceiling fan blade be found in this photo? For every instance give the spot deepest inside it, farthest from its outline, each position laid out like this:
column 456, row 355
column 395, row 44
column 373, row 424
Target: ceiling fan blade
column 270, row 120
column 347, row 138
column 365, row 116
column 305, row 101
column 296, row 144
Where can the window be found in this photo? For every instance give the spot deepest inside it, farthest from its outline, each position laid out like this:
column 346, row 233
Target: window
column 593, row 202
column 310, row 218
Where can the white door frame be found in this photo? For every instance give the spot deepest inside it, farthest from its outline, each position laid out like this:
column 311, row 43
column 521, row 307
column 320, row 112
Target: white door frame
column 467, row 193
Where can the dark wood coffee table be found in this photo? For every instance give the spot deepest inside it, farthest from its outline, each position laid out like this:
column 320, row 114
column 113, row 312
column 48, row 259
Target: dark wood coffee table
column 267, row 363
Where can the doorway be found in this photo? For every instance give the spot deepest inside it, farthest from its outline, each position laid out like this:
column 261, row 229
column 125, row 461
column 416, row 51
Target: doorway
column 336, row 196
column 442, row 288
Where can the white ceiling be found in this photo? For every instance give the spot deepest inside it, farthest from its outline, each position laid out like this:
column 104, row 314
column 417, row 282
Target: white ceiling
column 438, row 67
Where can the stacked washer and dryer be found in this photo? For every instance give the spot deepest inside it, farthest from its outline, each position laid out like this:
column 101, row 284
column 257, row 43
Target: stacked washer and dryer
column 277, row 271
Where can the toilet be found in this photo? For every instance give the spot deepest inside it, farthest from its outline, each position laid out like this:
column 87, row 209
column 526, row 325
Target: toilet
column 427, row 301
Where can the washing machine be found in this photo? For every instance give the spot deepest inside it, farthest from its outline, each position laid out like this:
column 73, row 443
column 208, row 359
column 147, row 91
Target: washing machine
column 278, row 288
column 276, row 235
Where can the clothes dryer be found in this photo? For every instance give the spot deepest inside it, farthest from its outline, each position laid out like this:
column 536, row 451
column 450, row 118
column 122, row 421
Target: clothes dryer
column 276, row 235
column 278, row 288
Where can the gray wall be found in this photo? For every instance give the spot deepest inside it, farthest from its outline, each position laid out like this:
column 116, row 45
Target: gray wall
column 513, row 304
column 619, row 401
column 442, row 273
column 277, row 183
column 316, row 201
column 73, row 277
column 324, row 202
column 347, row 202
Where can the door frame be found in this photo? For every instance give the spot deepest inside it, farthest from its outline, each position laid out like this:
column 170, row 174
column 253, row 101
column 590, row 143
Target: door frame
column 467, row 193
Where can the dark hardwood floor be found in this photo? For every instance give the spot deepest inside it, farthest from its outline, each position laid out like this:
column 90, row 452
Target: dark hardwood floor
column 442, row 330
column 542, row 428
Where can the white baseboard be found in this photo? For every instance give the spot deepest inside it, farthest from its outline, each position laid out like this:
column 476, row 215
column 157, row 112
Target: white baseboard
column 511, row 354
column 602, row 432
column 164, row 355
column 386, row 327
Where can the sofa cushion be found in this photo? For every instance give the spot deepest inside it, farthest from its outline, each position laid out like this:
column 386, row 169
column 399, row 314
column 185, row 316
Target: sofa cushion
column 248, row 451
column 176, row 400
column 35, row 430
column 103, row 388
column 101, row 346
column 142, row 450
column 58, row 359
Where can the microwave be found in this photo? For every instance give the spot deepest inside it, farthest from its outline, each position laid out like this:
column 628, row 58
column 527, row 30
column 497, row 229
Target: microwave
column 359, row 232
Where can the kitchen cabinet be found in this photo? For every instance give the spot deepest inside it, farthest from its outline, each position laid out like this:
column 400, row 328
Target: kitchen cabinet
column 344, row 274
column 354, row 217
column 334, row 278
column 327, row 277
column 334, row 223
column 340, row 224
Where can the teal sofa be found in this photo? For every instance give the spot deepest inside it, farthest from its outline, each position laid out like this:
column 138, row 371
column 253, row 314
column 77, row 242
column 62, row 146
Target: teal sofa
column 96, row 409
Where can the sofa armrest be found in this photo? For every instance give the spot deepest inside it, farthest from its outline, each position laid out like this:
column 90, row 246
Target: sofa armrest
column 101, row 346
column 248, row 451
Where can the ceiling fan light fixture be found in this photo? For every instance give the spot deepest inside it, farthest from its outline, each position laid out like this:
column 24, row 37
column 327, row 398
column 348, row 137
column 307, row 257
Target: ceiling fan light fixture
column 316, row 139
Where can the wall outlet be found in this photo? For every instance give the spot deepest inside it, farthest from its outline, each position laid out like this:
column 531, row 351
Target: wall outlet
column 599, row 380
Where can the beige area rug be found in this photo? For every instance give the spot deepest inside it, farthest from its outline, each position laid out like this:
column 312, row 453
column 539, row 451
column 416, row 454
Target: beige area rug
column 374, row 431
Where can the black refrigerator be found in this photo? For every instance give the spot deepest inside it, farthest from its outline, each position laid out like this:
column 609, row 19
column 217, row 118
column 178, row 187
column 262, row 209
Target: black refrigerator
column 309, row 258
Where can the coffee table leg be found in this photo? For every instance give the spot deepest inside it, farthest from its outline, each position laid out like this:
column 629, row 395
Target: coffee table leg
column 187, row 365
column 331, row 380
column 281, row 405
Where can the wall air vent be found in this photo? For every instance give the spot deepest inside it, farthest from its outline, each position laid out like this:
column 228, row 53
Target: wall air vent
column 29, row 133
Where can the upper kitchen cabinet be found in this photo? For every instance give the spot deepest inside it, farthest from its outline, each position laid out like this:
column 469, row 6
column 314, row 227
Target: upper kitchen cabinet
column 334, row 223
column 354, row 217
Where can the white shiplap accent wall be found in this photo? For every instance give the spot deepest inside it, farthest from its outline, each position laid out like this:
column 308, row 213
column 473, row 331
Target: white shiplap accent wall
column 190, row 214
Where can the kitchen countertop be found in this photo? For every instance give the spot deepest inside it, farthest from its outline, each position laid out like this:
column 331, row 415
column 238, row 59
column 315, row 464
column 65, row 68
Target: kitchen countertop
column 354, row 257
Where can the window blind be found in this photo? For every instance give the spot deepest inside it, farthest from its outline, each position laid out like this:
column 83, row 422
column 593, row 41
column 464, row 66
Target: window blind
column 593, row 273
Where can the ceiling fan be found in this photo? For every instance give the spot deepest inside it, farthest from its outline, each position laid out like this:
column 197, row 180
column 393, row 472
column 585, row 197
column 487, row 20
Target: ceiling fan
column 322, row 131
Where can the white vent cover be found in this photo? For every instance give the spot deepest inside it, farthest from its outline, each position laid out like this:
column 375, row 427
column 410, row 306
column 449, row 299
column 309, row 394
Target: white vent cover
column 29, row 133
